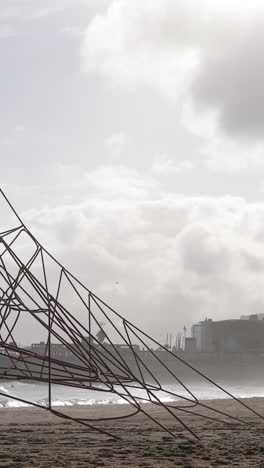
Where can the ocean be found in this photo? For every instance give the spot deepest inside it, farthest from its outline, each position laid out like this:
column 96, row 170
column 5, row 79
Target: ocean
column 68, row 396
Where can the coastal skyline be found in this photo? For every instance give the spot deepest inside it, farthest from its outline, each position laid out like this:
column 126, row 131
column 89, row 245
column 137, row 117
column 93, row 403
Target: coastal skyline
column 131, row 144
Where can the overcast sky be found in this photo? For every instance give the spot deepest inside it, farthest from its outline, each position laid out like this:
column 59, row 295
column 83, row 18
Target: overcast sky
column 131, row 141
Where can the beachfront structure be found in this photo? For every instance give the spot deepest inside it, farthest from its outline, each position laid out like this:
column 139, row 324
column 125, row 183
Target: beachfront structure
column 234, row 335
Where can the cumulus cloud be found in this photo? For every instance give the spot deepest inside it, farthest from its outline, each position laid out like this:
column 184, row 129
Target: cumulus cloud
column 164, row 261
column 134, row 43
column 206, row 54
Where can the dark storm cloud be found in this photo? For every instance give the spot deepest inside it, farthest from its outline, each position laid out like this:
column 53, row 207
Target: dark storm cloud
column 231, row 81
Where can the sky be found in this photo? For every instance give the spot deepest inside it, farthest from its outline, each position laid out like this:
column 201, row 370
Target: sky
column 131, row 143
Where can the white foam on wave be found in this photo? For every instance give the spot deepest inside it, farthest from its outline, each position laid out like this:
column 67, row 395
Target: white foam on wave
column 3, row 389
column 91, row 402
column 10, row 403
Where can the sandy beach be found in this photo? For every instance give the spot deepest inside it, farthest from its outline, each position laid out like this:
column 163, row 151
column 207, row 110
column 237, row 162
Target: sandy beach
column 32, row 437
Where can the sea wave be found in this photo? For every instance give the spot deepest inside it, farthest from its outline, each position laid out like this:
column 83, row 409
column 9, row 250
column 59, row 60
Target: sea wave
column 11, row 403
column 3, row 389
column 66, row 397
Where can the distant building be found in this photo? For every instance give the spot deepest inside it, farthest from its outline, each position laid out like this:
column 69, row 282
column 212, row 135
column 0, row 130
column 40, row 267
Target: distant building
column 190, row 345
column 58, row 350
column 236, row 335
column 252, row 317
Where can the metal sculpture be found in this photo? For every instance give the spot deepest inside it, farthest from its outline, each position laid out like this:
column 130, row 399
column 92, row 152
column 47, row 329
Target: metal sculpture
column 37, row 291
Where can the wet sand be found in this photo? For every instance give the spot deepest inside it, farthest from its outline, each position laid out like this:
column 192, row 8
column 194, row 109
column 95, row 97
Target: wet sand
column 35, row 438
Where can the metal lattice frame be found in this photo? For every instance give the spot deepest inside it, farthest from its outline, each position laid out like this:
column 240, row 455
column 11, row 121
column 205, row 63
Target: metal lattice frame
column 27, row 290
